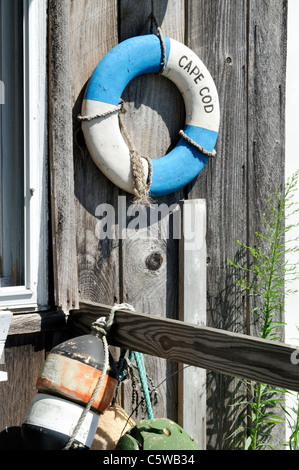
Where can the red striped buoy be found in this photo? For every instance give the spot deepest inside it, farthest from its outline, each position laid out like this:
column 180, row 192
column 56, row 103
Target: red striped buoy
column 65, row 386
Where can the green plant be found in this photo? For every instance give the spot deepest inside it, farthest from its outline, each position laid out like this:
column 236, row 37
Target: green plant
column 292, row 418
column 293, row 422
column 266, row 280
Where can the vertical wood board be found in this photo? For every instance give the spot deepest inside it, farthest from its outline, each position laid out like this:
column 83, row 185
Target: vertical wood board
column 154, row 115
column 243, row 45
column 93, row 32
column 24, row 358
column 192, row 309
column 61, row 158
column 221, row 42
column 267, row 28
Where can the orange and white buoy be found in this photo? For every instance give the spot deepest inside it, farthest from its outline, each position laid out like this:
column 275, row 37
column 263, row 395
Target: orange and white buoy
column 65, row 386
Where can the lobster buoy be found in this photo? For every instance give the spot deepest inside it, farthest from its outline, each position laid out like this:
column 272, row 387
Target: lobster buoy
column 156, row 434
column 50, row 421
column 100, row 123
column 65, row 386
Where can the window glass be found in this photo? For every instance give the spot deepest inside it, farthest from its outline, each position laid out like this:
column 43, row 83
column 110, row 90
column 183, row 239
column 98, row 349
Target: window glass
column 11, row 144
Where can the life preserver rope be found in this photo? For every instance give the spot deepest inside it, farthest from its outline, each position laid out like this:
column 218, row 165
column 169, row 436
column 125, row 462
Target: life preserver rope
column 100, row 122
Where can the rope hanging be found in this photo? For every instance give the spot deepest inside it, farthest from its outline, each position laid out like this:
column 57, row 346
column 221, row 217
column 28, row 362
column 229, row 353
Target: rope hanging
column 102, row 326
column 141, row 186
column 198, row 147
column 142, row 374
column 140, row 366
column 96, row 116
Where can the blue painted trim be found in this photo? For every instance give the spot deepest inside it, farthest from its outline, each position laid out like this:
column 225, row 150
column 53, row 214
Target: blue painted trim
column 127, row 60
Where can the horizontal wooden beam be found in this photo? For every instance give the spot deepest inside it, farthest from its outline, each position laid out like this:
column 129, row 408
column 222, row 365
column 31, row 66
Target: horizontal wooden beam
column 229, row 353
column 35, row 322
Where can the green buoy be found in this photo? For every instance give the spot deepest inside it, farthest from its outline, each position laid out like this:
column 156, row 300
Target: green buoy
column 156, row 434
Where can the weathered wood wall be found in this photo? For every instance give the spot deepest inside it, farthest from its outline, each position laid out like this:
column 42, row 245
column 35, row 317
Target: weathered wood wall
column 243, row 44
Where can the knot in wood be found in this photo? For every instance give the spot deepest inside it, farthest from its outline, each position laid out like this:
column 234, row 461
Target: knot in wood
column 154, row 261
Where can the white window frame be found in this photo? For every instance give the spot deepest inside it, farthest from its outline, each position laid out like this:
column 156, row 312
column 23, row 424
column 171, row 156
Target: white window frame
column 34, row 294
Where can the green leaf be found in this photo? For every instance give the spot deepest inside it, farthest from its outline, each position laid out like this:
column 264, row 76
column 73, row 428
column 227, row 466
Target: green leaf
column 247, row 443
column 268, row 275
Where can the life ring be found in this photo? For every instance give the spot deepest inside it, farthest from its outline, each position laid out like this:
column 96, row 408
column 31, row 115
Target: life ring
column 105, row 143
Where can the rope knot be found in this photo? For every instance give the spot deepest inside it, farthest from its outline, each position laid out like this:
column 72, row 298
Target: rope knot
column 103, row 324
column 100, row 326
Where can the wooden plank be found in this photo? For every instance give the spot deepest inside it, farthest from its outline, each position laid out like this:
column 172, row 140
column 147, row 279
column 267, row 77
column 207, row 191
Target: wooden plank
column 235, row 354
column 243, row 46
column 154, row 115
column 149, row 283
column 92, row 33
column 24, row 358
column 267, row 27
column 61, row 158
column 192, row 309
column 217, row 32
column 37, row 322
column 266, row 99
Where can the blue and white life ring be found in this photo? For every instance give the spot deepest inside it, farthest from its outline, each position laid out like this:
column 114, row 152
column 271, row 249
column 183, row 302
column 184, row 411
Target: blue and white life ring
column 127, row 60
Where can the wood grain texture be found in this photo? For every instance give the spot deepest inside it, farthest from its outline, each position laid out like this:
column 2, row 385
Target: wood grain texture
column 24, row 357
column 228, row 36
column 61, row 159
column 93, row 32
column 243, row 45
column 223, row 351
column 267, row 27
column 266, row 118
column 222, row 182
column 37, row 322
column 217, row 32
column 154, row 115
column 192, row 309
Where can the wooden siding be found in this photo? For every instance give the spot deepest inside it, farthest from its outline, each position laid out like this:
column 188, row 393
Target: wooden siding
column 243, row 44
column 61, row 159
column 234, row 40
